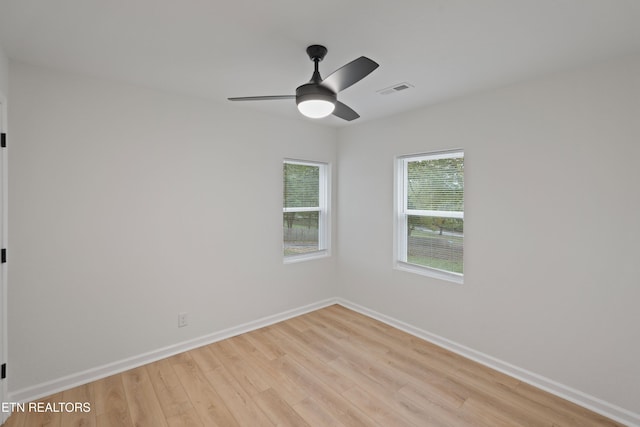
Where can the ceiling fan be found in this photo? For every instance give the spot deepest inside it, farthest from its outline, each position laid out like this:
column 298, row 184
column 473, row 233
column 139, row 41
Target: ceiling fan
column 318, row 98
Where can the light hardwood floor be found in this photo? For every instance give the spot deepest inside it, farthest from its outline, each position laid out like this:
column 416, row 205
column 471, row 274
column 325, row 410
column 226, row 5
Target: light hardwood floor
column 331, row 367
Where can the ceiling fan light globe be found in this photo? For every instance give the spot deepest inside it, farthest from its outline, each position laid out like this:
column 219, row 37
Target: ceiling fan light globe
column 315, row 101
column 316, row 108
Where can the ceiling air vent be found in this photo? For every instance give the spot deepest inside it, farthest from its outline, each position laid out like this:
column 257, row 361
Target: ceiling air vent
column 395, row 88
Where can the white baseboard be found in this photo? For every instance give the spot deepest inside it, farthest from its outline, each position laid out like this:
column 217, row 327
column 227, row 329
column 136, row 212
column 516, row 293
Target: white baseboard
column 590, row 402
column 50, row 387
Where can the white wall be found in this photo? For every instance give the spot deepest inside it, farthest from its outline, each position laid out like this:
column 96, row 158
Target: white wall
column 129, row 205
column 4, row 73
column 551, row 226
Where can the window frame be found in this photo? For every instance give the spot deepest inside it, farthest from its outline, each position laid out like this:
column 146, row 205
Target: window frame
column 324, row 217
column 402, row 213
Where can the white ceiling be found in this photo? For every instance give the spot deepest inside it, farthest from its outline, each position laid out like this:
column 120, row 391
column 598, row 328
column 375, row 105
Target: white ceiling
column 221, row 48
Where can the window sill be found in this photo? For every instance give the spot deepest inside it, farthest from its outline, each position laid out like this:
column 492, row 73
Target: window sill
column 430, row 272
column 305, row 257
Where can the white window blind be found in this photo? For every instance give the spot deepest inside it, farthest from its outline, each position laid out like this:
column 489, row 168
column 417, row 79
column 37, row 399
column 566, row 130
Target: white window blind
column 430, row 213
column 305, row 219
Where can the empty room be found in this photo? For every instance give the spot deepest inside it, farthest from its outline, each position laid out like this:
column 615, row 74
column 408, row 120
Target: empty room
column 293, row 213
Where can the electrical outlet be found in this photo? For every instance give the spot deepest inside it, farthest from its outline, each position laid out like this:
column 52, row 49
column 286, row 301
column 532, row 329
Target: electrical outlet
column 182, row 320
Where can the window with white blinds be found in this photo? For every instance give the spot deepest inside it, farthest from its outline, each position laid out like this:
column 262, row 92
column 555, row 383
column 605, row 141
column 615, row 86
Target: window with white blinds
column 430, row 214
column 305, row 210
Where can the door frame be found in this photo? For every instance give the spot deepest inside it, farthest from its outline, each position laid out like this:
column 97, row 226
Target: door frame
column 3, row 244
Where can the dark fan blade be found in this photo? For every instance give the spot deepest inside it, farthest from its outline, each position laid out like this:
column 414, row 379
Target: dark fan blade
column 262, row 98
column 345, row 112
column 349, row 74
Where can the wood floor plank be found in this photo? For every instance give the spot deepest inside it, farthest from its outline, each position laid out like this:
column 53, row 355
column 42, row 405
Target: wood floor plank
column 427, row 413
column 244, row 408
column 14, row 420
column 279, row 411
column 564, row 413
column 305, row 356
column 323, row 394
column 288, row 390
column 501, row 398
column 314, row 415
column 205, row 359
column 486, row 414
column 48, row 419
column 404, row 402
column 175, row 403
column 111, row 407
column 207, row 402
column 246, row 374
column 442, row 392
column 76, row 397
column 259, row 339
column 376, row 407
column 376, row 367
column 144, row 407
column 331, row 367
column 300, row 323
column 322, row 349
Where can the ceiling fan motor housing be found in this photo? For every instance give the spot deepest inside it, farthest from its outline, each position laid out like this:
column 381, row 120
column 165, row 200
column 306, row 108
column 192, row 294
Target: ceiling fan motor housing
column 314, row 91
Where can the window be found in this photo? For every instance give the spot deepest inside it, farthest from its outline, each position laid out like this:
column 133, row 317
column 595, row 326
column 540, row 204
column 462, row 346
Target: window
column 305, row 210
column 430, row 214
